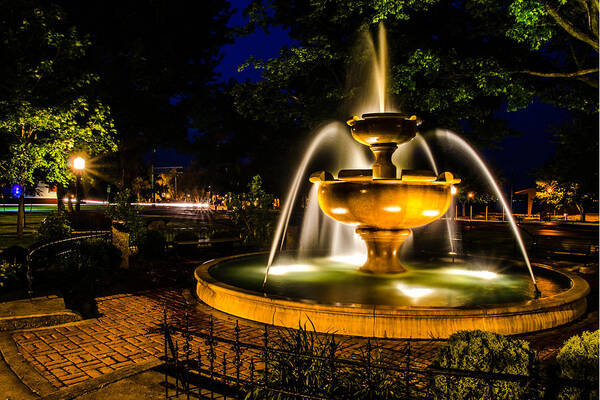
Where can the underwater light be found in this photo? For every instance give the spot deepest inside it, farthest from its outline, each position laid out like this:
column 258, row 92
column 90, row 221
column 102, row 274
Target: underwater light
column 476, row 274
column 414, row 292
column 284, row 269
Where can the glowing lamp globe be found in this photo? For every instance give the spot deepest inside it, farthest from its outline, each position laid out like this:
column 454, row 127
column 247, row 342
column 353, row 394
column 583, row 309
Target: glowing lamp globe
column 79, row 163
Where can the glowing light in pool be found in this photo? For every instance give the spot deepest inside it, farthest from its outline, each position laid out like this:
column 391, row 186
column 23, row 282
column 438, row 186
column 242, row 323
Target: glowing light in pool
column 476, row 274
column 284, row 269
column 339, row 210
column 352, row 259
column 430, row 213
column 393, row 209
column 414, row 292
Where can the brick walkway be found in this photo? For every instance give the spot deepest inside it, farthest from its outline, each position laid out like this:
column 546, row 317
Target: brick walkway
column 128, row 332
column 121, row 336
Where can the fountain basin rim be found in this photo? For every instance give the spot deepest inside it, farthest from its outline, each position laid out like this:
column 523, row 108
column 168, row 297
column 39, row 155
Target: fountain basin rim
column 579, row 288
column 393, row 321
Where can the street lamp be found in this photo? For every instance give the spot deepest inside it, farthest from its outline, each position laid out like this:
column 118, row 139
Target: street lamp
column 470, row 195
column 78, row 166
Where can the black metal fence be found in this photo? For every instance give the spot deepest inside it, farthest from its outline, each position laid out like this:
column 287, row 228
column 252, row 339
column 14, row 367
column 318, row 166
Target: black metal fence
column 42, row 255
column 283, row 364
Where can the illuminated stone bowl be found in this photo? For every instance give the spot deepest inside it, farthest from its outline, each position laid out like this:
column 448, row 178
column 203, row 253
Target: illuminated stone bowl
column 384, row 210
column 432, row 299
column 383, row 206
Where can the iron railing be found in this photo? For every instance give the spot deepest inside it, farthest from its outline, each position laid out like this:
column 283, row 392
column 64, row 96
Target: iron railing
column 218, row 363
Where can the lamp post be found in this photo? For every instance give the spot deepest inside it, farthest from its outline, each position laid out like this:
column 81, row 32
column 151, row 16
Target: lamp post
column 78, row 166
column 470, row 196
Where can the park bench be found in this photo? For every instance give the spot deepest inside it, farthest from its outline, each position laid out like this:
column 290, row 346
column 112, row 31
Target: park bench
column 565, row 244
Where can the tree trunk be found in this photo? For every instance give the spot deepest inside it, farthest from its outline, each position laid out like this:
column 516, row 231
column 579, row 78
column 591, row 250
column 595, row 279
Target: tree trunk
column 581, row 212
column 21, row 215
column 60, row 194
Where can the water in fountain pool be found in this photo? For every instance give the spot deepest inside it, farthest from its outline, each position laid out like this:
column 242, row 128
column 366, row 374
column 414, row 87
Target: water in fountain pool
column 427, row 283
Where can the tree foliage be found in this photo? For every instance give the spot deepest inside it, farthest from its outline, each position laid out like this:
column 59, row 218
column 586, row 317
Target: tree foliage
column 48, row 110
column 454, row 63
column 157, row 61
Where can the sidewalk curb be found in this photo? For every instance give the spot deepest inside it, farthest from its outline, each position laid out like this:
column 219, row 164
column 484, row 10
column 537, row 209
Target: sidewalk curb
column 94, row 384
column 22, row 368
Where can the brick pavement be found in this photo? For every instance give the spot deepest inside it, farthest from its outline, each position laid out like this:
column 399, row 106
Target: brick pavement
column 127, row 332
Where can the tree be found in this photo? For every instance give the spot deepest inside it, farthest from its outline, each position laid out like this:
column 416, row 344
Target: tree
column 157, row 61
column 573, row 171
column 562, row 194
column 48, row 111
column 454, row 63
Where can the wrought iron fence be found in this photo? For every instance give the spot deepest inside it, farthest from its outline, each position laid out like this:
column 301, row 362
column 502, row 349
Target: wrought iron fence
column 41, row 255
column 222, row 364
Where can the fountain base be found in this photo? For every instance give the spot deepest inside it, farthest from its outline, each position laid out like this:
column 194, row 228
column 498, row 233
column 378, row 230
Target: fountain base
column 383, row 246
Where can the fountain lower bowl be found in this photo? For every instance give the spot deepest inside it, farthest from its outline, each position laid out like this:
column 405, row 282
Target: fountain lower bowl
column 382, row 318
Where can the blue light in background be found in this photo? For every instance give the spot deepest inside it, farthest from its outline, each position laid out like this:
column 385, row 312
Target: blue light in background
column 16, row 190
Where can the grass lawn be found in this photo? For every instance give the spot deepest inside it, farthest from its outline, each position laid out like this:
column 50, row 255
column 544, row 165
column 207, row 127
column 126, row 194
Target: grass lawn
column 33, row 217
column 8, row 228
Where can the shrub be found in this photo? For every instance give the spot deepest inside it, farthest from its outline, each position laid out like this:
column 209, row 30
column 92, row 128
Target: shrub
column 122, row 210
column 578, row 360
column 302, row 362
column 9, row 273
column 485, row 352
column 299, row 365
column 253, row 213
column 55, row 226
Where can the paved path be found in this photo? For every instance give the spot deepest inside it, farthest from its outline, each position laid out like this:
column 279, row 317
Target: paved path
column 128, row 333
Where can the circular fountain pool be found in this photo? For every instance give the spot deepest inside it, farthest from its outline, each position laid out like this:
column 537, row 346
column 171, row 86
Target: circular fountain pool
column 433, row 299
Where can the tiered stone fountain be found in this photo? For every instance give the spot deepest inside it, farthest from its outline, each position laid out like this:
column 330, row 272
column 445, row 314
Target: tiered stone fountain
column 387, row 297
column 382, row 205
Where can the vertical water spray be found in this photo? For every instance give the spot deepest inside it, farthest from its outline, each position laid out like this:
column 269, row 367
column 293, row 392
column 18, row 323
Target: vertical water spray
column 381, row 68
column 466, row 148
column 427, row 150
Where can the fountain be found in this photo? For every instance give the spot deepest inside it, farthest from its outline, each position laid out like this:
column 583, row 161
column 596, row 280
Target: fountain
column 386, row 293
column 383, row 206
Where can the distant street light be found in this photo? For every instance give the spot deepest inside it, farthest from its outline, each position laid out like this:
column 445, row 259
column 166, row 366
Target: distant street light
column 470, row 195
column 549, row 189
column 78, row 166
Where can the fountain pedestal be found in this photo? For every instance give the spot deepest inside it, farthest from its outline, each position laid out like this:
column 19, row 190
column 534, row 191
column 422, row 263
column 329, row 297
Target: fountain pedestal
column 383, row 246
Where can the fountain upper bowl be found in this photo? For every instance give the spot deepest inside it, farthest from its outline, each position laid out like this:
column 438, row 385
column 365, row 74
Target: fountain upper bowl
column 386, row 203
column 383, row 128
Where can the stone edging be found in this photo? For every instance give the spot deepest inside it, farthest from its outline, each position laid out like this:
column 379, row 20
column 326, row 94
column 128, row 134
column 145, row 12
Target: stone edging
column 395, row 322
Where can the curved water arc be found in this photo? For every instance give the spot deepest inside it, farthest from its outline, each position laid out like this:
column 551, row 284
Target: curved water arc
column 427, row 150
column 284, row 217
column 464, row 146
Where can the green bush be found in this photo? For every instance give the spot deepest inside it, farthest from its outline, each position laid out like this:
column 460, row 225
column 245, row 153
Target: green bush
column 485, row 352
column 55, row 226
column 152, row 244
column 122, row 210
column 253, row 214
column 297, row 367
column 301, row 362
column 578, row 360
column 9, row 273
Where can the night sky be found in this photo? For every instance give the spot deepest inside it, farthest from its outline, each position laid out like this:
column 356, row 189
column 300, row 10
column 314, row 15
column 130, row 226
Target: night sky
column 518, row 156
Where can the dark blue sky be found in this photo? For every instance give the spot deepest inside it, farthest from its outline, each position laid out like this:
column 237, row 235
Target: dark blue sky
column 518, row 156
